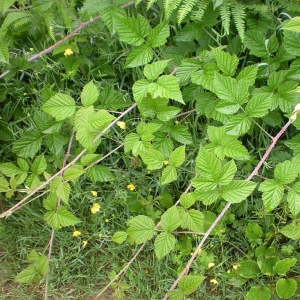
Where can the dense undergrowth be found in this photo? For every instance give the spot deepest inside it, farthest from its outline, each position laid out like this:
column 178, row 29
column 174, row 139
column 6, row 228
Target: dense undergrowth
column 129, row 135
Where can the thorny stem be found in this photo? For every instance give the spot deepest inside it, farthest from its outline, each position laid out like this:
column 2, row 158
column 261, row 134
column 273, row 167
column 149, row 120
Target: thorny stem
column 213, row 225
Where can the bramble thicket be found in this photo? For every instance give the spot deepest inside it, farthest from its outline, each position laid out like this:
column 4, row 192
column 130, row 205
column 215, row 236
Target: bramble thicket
column 150, row 149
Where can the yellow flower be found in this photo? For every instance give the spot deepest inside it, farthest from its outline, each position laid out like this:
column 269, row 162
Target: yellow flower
column 234, row 267
column 213, row 281
column 76, row 233
column 106, row 220
column 84, row 243
column 31, row 49
column 199, row 252
column 94, row 193
column 131, row 187
column 121, row 124
column 166, row 162
column 95, row 208
column 228, row 271
column 210, row 265
column 68, row 52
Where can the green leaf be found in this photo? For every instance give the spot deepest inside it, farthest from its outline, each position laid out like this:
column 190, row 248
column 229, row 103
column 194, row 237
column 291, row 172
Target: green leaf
column 73, row 172
column 238, row 125
column 293, row 199
column 286, row 172
column 293, row 25
column 4, row 185
column 272, row 193
column 131, row 140
column 258, row 293
column 55, row 142
column 286, row 288
column 227, row 173
column 248, row 269
column 187, row 67
column 259, row 105
column 152, row 71
column 4, row 54
column 158, row 35
column 141, row 229
column 192, row 220
column 89, row 94
column 39, row 165
column 5, row 132
column 60, row 218
column 176, row 295
column 187, row 200
column 237, row 190
column 292, row 230
column 188, row 284
column 230, row 90
column 140, row 89
column 139, row 56
column 5, row 4
column 177, row 157
column 152, row 158
column 131, row 30
column 46, row 123
column 167, row 87
column 170, row 220
column 60, row 106
column 226, row 63
column 248, row 74
column 283, row 266
column 113, row 100
column 168, row 175
column 9, row 169
column 164, row 244
column 267, row 265
column 60, row 188
column 255, row 41
column 119, row 237
column 253, row 231
column 146, row 130
column 181, row 134
column 291, row 42
column 50, row 202
column 100, row 173
column 206, row 76
column 28, row 145
column 33, row 180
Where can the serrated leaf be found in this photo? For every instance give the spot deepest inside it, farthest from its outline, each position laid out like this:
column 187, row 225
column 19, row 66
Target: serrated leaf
column 28, row 275
column 272, row 193
column 238, row 125
column 286, row 172
column 255, row 41
column 119, row 237
column 164, row 244
column 227, row 63
column 141, row 229
column 158, row 35
column 39, row 165
column 60, row 218
column 189, row 283
column 5, row 4
column 177, row 157
column 113, row 100
column 152, row 158
column 5, row 132
column 139, row 56
column 33, row 180
column 130, row 141
column 258, row 293
column 227, row 173
column 176, row 295
column 248, row 74
column 4, row 185
column 140, row 89
column 146, row 130
column 73, row 172
column 131, row 30
column 170, row 220
column 291, row 42
column 60, row 106
column 152, row 71
column 168, row 175
column 187, row 68
column 55, row 142
column 4, row 54
column 237, row 190
column 89, row 158
column 28, row 144
column 293, row 25
column 292, row 230
column 166, row 87
column 9, row 169
column 230, row 90
column 89, row 94
column 181, row 134
column 100, row 173
column 46, row 123
column 50, row 202
column 293, row 199
column 187, row 200
column 259, row 105
column 193, row 220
